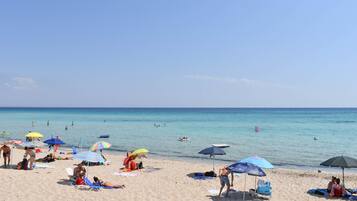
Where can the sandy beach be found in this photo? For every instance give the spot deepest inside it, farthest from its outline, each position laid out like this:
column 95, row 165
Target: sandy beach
column 163, row 179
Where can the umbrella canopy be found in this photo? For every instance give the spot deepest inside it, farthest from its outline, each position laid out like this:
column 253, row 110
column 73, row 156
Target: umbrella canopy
column 248, row 168
column 342, row 162
column 32, row 144
column 140, row 152
column 89, row 156
column 212, row 151
column 54, row 141
column 34, row 135
column 258, row 161
column 100, row 145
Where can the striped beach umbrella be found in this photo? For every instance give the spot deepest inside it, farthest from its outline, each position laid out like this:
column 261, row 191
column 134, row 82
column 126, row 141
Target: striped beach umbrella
column 100, row 146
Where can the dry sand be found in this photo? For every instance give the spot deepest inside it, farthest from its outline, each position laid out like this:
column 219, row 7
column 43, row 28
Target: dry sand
column 168, row 182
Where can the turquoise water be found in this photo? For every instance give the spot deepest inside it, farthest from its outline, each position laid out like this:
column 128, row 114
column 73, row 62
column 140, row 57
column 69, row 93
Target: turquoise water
column 286, row 136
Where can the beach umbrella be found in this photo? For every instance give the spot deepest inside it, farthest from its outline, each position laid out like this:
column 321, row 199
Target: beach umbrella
column 34, row 135
column 212, row 151
column 258, row 161
column 14, row 141
column 248, row 168
column 141, row 151
column 32, row 144
column 89, row 156
column 100, row 146
column 342, row 162
column 54, row 141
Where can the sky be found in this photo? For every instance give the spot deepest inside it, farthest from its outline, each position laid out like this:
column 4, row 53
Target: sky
column 159, row 53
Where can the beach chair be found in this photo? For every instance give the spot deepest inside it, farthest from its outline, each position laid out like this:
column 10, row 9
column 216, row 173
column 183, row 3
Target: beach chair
column 264, row 188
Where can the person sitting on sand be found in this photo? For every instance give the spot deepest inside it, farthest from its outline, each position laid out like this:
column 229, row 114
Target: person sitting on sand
column 6, row 152
column 337, row 190
column 31, row 153
column 99, row 182
column 78, row 173
column 330, row 184
column 223, row 177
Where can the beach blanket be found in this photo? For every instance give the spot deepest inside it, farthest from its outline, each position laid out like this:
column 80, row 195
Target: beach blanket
column 126, row 174
column 323, row 193
column 201, row 176
column 213, row 192
column 151, row 169
column 42, row 166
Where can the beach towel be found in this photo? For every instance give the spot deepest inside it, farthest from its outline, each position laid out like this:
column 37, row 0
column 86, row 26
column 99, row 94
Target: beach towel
column 213, row 192
column 201, row 176
column 126, row 174
column 42, row 166
column 151, row 169
column 318, row 192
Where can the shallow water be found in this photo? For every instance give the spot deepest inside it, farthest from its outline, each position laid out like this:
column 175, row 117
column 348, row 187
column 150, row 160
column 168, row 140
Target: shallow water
column 286, row 136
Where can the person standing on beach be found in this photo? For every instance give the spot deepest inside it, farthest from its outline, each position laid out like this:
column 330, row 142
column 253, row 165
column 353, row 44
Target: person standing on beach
column 31, row 153
column 223, row 177
column 6, row 152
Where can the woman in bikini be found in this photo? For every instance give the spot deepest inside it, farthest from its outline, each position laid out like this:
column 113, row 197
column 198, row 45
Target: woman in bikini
column 99, row 182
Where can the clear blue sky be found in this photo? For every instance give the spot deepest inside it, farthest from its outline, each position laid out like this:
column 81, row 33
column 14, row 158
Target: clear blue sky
column 233, row 53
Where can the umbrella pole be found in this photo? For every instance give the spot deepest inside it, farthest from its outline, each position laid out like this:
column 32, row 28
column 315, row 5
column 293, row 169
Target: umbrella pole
column 213, row 162
column 245, row 180
column 343, row 177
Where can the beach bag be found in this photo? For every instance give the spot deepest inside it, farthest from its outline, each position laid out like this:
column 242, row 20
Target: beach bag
column 79, row 181
column 24, row 164
column 210, row 174
column 141, row 166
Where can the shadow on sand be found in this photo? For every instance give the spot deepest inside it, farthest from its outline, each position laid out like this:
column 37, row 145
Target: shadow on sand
column 236, row 195
column 67, row 182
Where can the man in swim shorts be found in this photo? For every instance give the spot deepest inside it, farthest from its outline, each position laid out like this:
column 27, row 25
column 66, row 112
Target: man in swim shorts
column 6, row 152
column 223, row 177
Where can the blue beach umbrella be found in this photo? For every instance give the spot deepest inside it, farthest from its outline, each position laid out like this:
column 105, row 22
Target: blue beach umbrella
column 248, row 168
column 89, row 156
column 212, row 151
column 54, row 141
column 258, row 161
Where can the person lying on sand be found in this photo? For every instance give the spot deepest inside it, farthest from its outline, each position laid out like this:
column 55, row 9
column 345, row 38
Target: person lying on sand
column 6, row 151
column 99, row 182
column 47, row 159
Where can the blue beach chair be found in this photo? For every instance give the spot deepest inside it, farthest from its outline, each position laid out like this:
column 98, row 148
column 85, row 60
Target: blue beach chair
column 264, row 188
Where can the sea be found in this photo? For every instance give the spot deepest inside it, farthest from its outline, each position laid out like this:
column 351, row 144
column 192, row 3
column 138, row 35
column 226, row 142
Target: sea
column 299, row 137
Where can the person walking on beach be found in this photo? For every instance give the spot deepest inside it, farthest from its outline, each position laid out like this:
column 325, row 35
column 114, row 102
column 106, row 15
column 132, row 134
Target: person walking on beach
column 6, row 152
column 223, row 177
